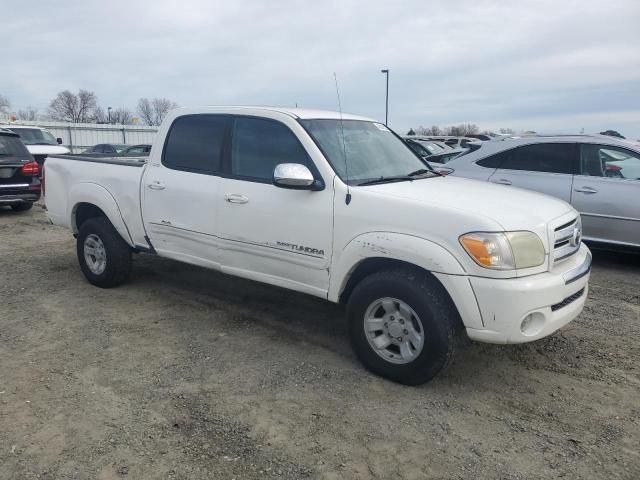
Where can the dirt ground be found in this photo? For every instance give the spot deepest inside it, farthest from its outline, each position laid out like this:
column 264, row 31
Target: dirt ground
column 187, row 373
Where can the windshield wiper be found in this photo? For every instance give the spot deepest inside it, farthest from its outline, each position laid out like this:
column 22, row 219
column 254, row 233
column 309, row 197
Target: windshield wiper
column 401, row 178
column 423, row 171
column 396, row 178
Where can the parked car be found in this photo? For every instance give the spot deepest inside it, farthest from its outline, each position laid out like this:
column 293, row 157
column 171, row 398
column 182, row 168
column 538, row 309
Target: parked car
column 485, row 137
column 339, row 207
column 597, row 174
column 431, row 151
column 455, row 142
column 106, row 149
column 142, row 149
column 39, row 141
column 19, row 183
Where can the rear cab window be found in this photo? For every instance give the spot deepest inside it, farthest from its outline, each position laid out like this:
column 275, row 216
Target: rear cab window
column 195, row 143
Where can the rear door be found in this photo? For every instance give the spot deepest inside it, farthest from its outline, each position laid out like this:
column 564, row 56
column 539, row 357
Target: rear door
column 543, row 167
column 607, row 193
column 181, row 190
column 268, row 233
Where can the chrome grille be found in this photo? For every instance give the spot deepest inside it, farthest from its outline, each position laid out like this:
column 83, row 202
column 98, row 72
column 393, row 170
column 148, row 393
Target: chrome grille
column 567, row 239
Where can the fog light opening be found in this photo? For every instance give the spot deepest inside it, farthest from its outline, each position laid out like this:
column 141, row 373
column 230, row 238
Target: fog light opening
column 532, row 324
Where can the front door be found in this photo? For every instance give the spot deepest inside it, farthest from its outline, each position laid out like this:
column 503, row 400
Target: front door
column 607, row 194
column 268, row 233
column 180, row 190
column 543, row 167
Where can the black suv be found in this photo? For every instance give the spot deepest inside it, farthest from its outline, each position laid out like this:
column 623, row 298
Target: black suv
column 19, row 181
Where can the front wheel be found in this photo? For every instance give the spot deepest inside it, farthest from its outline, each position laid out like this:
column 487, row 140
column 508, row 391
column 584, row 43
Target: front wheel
column 403, row 325
column 104, row 257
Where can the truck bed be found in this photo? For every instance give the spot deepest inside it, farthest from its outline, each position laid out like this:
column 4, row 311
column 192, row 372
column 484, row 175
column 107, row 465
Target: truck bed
column 112, row 181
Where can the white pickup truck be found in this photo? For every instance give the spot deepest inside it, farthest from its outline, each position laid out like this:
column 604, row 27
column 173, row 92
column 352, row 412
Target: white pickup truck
column 341, row 208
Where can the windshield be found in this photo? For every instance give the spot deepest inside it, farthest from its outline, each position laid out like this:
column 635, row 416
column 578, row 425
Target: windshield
column 372, row 150
column 432, row 147
column 35, row 136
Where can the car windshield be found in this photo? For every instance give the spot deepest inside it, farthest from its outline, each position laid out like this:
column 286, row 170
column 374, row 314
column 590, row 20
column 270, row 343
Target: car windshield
column 419, row 148
column 35, row 136
column 12, row 146
column 432, row 147
column 372, row 150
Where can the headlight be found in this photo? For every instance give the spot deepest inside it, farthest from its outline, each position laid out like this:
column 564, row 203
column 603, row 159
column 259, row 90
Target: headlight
column 504, row 251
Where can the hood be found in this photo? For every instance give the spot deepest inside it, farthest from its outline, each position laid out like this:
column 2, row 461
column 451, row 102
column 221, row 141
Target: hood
column 47, row 149
column 512, row 208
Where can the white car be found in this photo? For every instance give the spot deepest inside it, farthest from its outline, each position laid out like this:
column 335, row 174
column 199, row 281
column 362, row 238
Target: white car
column 339, row 207
column 39, row 141
column 599, row 175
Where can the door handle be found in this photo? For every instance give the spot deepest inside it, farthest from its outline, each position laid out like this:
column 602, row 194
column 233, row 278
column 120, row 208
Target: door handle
column 587, row 190
column 157, row 185
column 236, row 198
column 502, row 181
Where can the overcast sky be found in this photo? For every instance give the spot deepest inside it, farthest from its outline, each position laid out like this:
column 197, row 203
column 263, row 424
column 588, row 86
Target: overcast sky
column 550, row 66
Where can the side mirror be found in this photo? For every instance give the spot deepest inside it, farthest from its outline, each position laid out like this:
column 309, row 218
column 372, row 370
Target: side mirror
column 295, row 176
column 59, row 140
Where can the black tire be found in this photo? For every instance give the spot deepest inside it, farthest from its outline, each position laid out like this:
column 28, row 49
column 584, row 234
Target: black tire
column 118, row 253
column 430, row 302
column 22, row 207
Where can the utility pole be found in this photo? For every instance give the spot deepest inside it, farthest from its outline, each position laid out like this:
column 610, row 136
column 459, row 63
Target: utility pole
column 386, row 110
column 109, row 114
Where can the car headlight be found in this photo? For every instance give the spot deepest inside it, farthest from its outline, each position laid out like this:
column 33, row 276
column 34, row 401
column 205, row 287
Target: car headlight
column 505, row 250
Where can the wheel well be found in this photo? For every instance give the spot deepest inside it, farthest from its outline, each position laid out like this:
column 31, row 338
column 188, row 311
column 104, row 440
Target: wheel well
column 377, row 264
column 83, row 212
column 372, row 265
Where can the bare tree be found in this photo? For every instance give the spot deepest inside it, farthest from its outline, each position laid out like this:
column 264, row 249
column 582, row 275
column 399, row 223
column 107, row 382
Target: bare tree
column 122, row 116
column 462, row 129
column 5, row 104
column 30, row 113
column 153, row 111
column 74, row 108
column 98, row 115
column 432, row 131
column 145, row 110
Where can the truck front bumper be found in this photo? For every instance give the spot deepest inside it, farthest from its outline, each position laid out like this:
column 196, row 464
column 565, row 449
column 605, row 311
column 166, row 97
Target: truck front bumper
column 525, row 309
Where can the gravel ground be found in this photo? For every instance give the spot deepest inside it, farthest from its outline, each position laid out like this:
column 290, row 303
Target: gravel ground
column 188, row 373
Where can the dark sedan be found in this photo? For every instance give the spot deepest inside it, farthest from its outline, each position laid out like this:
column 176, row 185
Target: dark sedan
column 19, row 182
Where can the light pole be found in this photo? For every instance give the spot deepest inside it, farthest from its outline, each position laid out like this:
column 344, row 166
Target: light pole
column 109, row 114
column 386, row 110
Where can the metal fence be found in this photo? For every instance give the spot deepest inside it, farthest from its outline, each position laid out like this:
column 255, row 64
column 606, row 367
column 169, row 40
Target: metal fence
column 80, row 136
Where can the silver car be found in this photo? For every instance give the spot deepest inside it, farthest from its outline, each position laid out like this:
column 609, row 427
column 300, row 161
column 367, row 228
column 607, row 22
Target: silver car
column 598, row 175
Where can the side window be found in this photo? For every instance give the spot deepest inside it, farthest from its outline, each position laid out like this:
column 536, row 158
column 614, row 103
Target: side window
column 195, row 143
column 108, row 149
column 258, row 145
column 542, row 157
column 608, row 161
column 98, row 149
column 494, row 161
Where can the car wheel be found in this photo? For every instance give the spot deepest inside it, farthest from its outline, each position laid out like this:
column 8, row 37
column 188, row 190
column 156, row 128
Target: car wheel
column 22, row 207
column 403, row 325
column 105, row 258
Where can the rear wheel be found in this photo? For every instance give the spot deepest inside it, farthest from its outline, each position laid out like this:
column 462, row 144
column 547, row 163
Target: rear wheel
column 104, row 257
column 403, row 325
column 22, row 207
